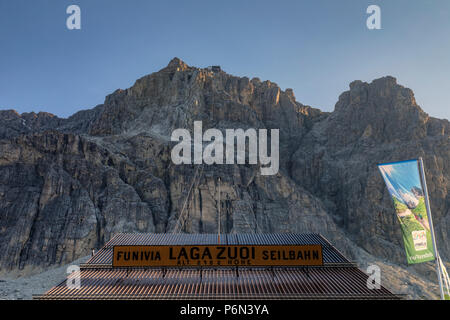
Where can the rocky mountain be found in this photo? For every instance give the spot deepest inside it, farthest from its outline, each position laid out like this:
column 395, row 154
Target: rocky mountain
column 68, row 185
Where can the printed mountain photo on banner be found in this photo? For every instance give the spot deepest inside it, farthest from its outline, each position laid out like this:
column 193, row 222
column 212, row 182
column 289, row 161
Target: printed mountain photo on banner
column 404, row 185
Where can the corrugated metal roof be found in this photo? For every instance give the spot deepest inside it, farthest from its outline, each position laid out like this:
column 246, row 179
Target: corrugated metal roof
column 276, row 283
column 338, row 278
column 104, row 256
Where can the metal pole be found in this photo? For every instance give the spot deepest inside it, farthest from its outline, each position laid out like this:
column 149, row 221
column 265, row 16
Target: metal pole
column 430, row 220
column 218, row 231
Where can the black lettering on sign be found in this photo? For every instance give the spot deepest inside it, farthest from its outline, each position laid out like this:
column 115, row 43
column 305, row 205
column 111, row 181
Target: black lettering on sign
column 291, row 255
column 246, row 254
column 221, row 255
column 316, row 255
column 230, row 255
column 307, row 255
column 182, row 253
column 195, row 253
column 207, row 254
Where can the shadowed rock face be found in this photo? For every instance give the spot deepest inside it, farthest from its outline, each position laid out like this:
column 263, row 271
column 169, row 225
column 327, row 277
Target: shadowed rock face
column 374, row 123
column 68, row 185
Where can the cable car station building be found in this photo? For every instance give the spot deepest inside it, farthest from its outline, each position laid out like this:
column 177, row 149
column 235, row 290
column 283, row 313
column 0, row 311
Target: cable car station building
column 198, row 266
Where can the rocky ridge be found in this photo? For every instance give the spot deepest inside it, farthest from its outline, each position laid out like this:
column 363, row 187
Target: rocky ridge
column 68, row 185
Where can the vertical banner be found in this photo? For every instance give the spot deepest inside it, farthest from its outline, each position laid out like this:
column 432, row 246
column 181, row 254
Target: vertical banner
column 403, row 181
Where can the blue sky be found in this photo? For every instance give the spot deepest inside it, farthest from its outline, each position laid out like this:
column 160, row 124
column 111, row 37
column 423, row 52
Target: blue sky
column 315, row 47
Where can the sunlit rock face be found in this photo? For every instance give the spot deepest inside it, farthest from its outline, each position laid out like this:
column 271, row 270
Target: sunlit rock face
column 68, row 185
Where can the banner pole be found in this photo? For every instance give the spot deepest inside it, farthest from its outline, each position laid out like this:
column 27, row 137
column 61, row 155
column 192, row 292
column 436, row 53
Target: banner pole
column 218, row 225
column 430, row 220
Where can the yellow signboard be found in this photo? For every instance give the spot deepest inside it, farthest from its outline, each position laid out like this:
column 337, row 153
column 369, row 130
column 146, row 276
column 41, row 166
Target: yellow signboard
column 217, row 255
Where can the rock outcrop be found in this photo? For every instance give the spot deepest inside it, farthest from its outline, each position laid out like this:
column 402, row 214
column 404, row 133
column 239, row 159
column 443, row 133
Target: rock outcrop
column 375, row 123
column 67, row 185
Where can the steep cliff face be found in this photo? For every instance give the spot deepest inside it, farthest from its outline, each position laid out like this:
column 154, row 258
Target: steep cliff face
column 374, row 123
column 67, row 185
column 60, row 196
